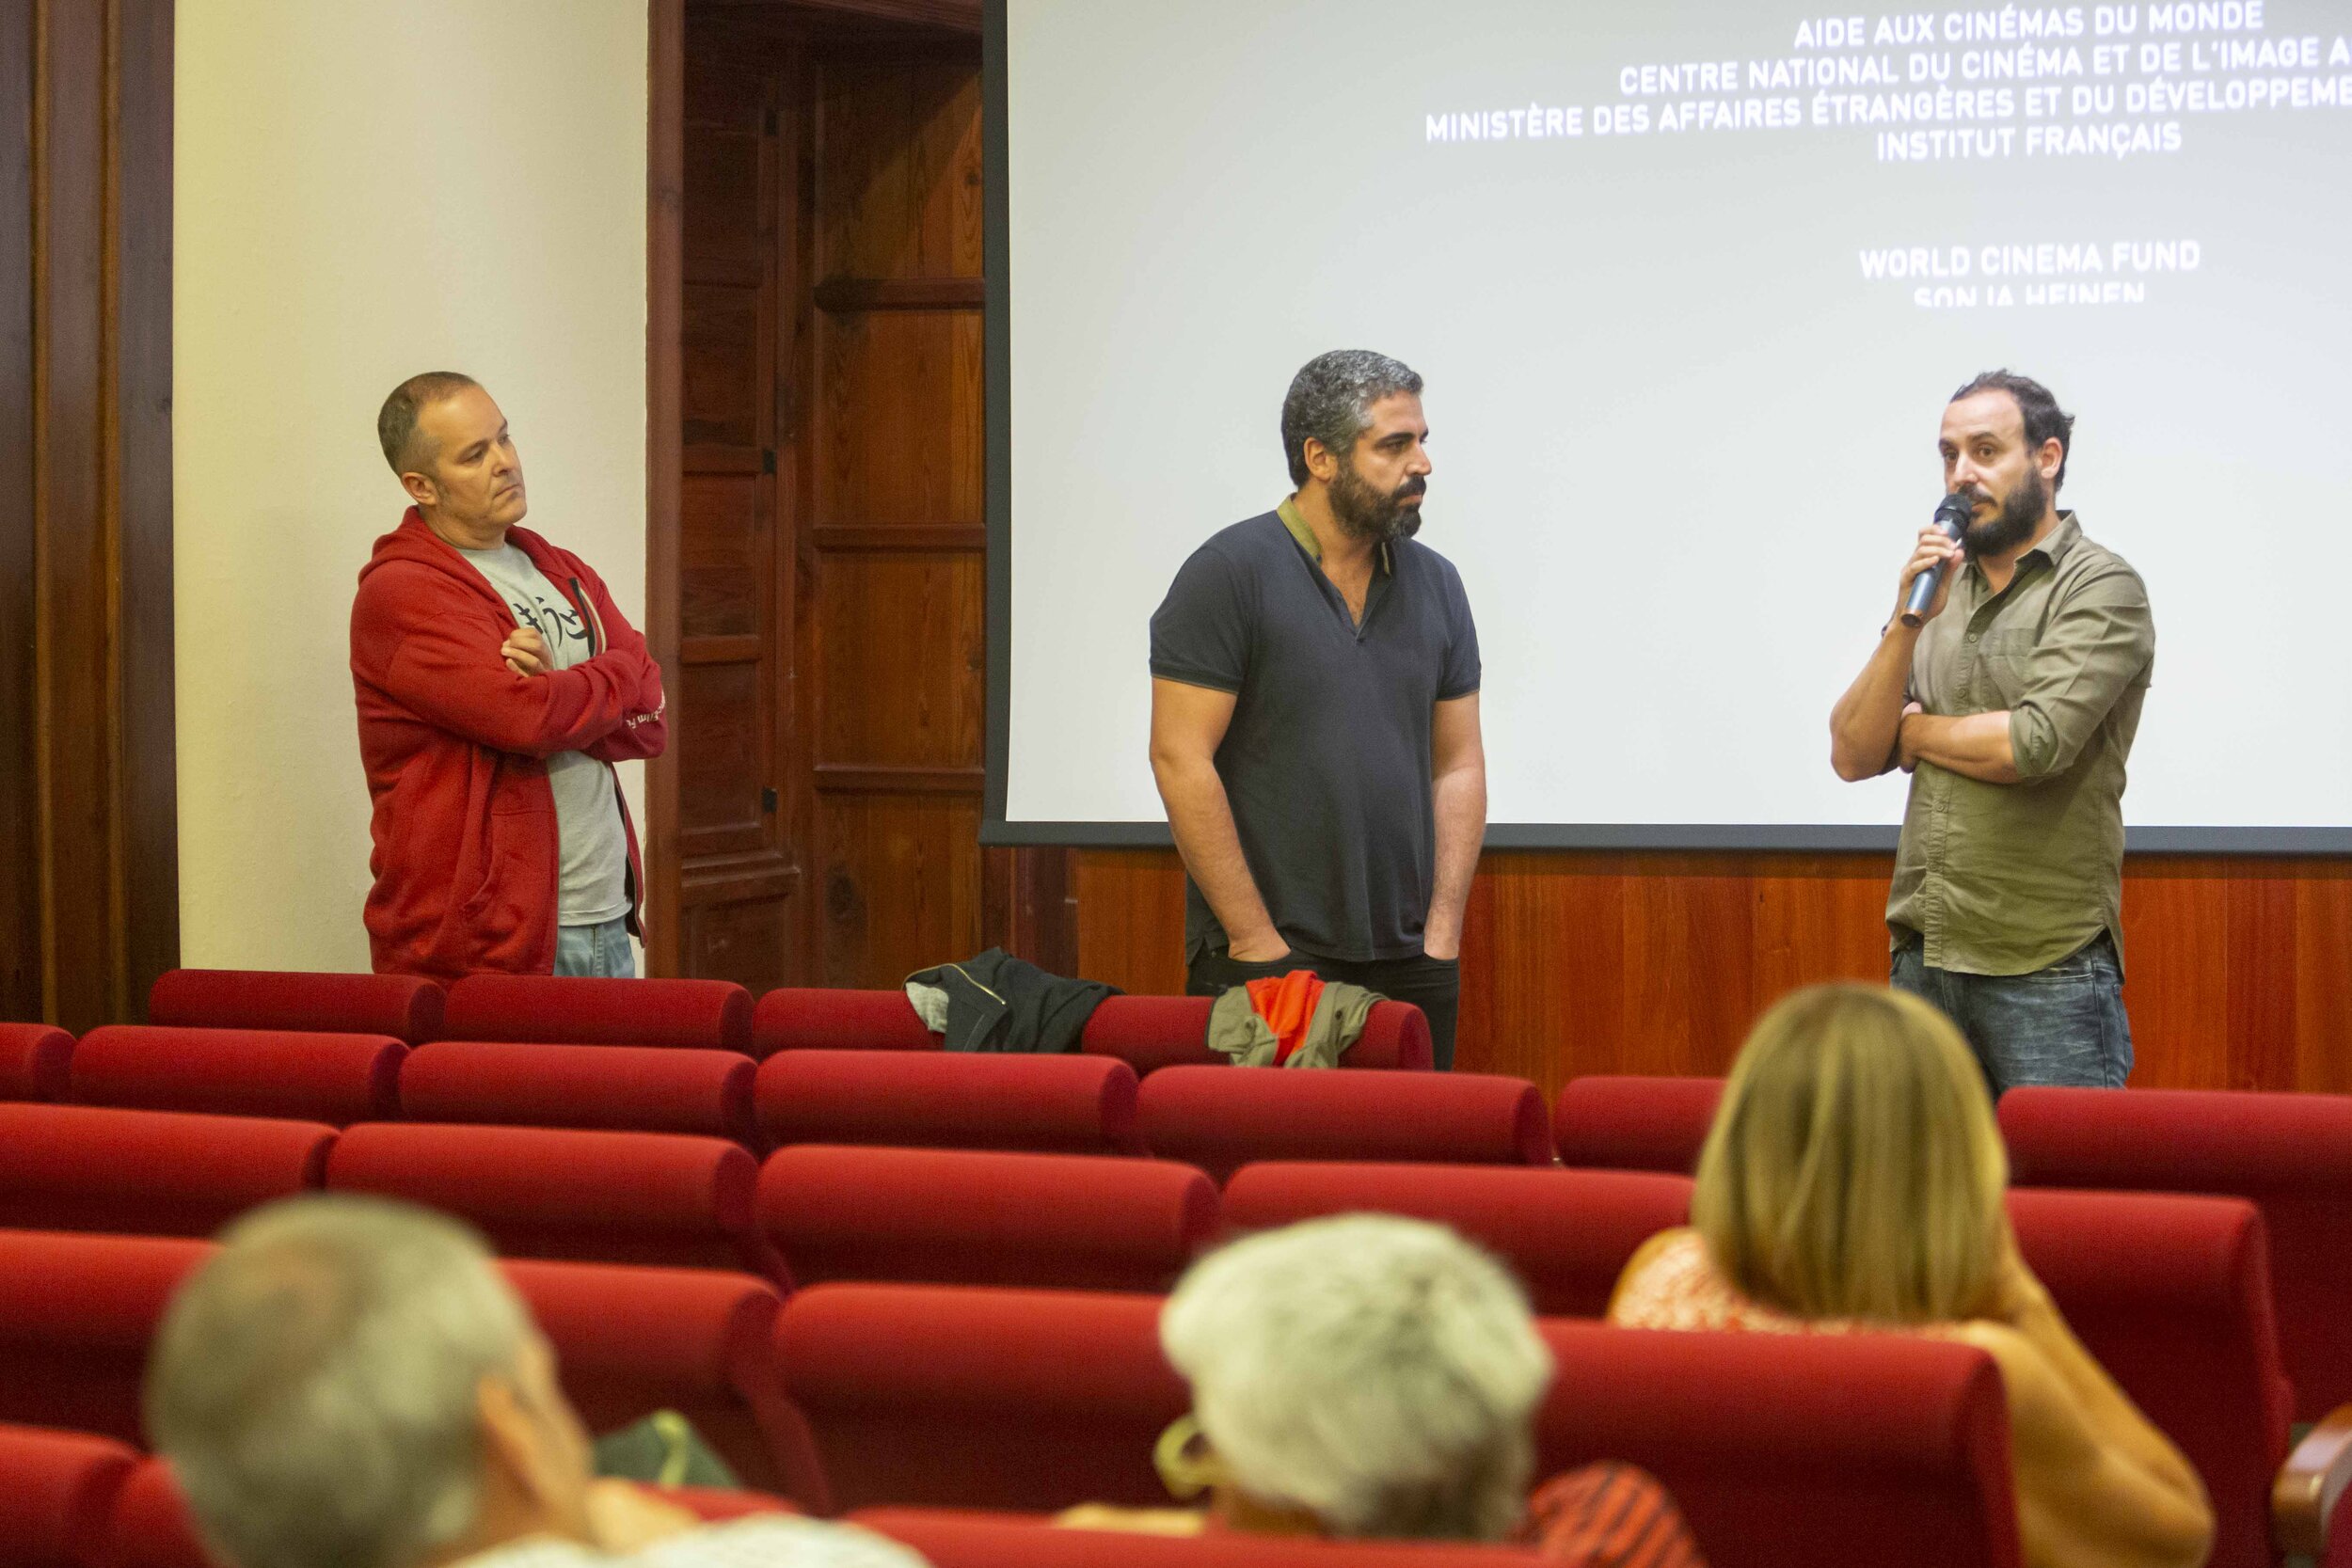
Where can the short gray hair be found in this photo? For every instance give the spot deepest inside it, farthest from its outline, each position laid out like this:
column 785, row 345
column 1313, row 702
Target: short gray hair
column 1380, row 1373
column 1330, row 400
column 396, row 430
column 315, row 1385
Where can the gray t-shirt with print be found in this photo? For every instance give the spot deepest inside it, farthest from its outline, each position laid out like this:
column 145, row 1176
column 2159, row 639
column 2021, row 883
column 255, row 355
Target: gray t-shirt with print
column 593, row 882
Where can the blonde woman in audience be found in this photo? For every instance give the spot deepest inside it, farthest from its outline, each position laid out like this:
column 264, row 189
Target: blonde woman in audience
column 1374, row 1376
column 1853, row 1180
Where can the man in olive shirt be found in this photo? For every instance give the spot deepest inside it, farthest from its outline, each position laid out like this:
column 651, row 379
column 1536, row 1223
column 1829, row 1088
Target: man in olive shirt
column 2013, row 712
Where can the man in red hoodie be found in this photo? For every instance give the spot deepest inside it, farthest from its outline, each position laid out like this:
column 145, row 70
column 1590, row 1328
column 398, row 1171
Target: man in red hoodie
column 496, row 684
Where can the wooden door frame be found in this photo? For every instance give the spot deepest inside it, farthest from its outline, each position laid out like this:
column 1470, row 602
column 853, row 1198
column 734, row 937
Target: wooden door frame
column 665, row 294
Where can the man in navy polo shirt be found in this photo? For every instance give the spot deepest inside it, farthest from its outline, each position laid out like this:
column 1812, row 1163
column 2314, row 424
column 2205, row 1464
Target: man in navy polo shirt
column 1315, row 714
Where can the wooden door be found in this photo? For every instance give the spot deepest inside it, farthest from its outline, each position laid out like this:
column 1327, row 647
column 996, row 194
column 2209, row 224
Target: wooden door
column 737, row 859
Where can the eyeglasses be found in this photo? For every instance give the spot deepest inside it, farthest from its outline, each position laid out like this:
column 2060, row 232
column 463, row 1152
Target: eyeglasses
column 1187, row 1465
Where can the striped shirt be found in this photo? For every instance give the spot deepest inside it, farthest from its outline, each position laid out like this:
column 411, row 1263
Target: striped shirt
column 1609, row 1515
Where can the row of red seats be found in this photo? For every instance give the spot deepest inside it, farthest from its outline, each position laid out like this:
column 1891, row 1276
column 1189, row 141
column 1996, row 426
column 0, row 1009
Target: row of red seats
column 2171, row 1294
column 1211, row 1116
column 856, row 1397
column 1146, row 1032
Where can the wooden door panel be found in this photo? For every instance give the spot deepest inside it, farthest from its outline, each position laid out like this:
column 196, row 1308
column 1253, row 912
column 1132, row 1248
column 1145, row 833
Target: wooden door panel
column 900, row 437
column 747, row 940
column 901, row 885
column 899, row 178
column 903, row 655
column 724, row 557
column 722, row 365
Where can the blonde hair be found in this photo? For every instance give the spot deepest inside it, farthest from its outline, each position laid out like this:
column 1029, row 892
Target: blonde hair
column 1854, row 1169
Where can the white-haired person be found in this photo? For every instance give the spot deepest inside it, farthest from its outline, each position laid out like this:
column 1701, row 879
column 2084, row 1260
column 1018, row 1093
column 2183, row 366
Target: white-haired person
column 1369, row 1376
column 350, row 1384
column 1853, row 1181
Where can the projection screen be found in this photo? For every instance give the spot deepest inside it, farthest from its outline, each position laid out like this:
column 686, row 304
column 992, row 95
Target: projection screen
column 1689, row 281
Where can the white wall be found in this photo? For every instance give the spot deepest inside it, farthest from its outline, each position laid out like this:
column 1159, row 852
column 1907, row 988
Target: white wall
column 364, row 190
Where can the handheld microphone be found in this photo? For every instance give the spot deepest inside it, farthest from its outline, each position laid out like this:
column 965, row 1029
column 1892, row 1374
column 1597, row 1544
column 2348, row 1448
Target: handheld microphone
column 1951, row 515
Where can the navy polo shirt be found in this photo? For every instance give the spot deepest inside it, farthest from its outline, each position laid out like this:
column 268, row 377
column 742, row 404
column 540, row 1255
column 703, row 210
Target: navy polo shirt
column 1326, row 762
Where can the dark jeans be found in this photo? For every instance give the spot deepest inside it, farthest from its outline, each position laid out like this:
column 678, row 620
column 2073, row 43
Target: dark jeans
column 2063, row 1025
column 1433, row 985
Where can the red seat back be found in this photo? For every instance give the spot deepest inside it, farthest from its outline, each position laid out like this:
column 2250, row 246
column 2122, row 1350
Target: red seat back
column 610, row 1197
column 33, row 1061
column 152, row 1173
column 958, row 1218
column 1566, row 1233
column 824, row 1019
column 337, row 1079
column 406, row 1007
column 562, row 1009
column 1222, row 1118
column 1146, row 1033
column 941, row 1396
column 954, row 1538
column 2288, row 1154
column 2172, row 1296
column 76, row 1313
column 150, row 1526
column 1612, row 1123
column 618, row 1087
column 630, row 1342
column 942, row 1099
column 1149, row 1032
column 1830, row 1451
column 56, row 1491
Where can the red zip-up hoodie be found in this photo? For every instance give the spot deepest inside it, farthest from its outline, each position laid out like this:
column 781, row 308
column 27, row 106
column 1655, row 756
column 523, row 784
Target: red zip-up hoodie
column 466, row 858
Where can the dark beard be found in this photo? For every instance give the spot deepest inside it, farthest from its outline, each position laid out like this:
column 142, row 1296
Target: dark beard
column 2015, row 523
column 1368, row 514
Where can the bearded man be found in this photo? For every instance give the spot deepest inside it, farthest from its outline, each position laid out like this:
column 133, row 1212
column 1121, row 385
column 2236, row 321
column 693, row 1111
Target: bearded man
column 1314, row 715
column 2014, row 714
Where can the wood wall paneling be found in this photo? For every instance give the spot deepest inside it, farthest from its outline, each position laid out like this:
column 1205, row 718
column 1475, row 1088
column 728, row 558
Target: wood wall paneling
column 87, row 807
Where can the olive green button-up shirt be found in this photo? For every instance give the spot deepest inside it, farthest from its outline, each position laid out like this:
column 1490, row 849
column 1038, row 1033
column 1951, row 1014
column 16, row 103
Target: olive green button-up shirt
column 2009, row 878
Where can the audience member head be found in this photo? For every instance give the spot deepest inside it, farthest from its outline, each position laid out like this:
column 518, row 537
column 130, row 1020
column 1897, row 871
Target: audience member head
column 446, row 440
column 1854, row 1168
column 1352, row 430
column 349, row 1383
column 1361, row 1376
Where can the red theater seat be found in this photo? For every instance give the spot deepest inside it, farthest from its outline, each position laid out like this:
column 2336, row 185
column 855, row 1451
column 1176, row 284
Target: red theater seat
column 150, row 1526
column 1222, row 1118
column 1830, row 1451
column 56, row 1489
column 33, row 1061
column 630, row 1342
column 76, row 1313
column 1146, row 1033
column 154, row 1173
column 617, row 1088
column 405, row 1006
column 825, row 1019
column 946, row 1396
column 536, row 1192
column 551, row 1010
column 958, row 1218
column 1566, row 1233
column 952, row 1539
column 2288, row 1154
column 2172, row 1296
column 1612, row 1123
column 337, row 1079
column 1046, row 1104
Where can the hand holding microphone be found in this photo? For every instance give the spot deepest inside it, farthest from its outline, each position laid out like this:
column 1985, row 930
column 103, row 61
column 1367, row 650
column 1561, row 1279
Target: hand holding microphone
column 1939, row 545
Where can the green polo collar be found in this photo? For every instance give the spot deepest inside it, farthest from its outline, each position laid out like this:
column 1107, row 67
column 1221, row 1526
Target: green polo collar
column 1291, row 520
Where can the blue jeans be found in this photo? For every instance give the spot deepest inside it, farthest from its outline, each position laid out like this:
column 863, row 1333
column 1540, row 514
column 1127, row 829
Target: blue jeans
column 2063, row 1025
column 595, row 952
